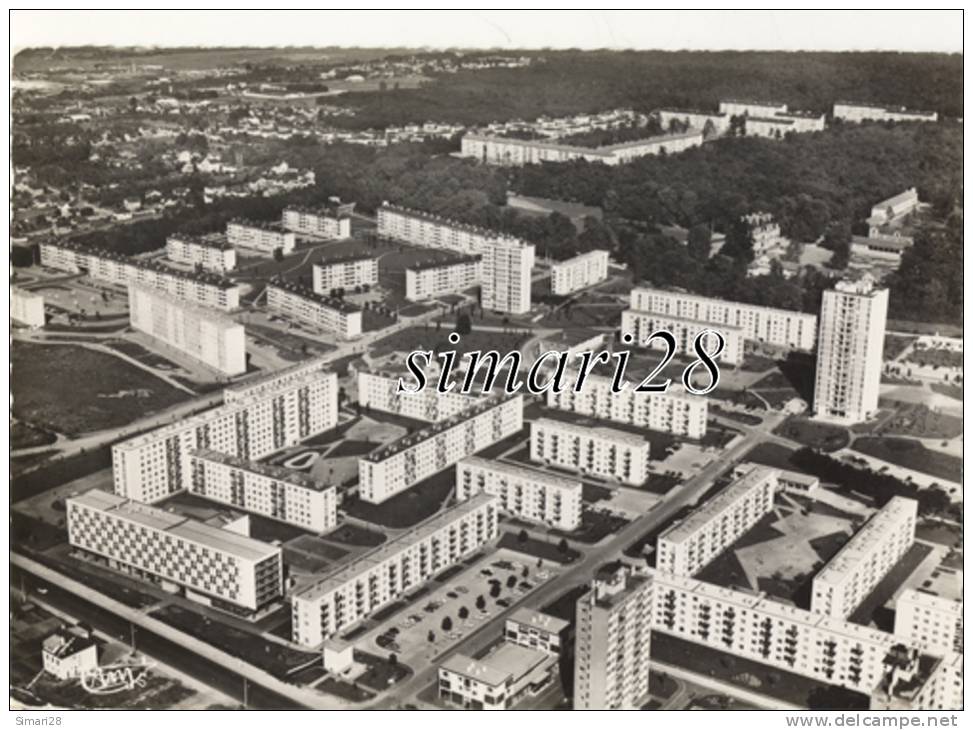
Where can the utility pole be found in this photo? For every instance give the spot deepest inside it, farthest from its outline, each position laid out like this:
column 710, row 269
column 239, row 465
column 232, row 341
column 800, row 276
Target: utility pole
column 244, row 693
column 131, row 630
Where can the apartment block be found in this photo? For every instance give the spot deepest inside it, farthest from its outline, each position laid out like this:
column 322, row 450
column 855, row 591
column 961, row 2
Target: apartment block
column 154, row 465
column 745, row 107
column 212, row 252
column 268, row 382
column 497, row 681
column 604, row 452
column 529, row 494
column 642, row 324
column 26, row 307
column 379, row 392
column 851, row 338
column 779, row 125
column 299, row 303
column 613, row 632
column 510, row 152
column 262, row 238
column 331, row 222
column 208, row 564
column 281, row 494
column 579, row 272
column 719, row 121
column 345, row 272
column 395, row 467
column 338, row 601
column 839, row 588
column 535, row 630
column 932, row 621
column 895, row 207
column 850, row 111
column 204, row 334
column 431, row 279
column 688, row 546
column 780, row 327
column 203, row 288
column 682, row 415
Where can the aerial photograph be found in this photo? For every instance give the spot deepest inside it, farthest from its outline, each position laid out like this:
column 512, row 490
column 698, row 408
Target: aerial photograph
column 486, row 360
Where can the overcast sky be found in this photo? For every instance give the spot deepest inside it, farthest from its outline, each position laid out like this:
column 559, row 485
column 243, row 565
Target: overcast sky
column 924, row 30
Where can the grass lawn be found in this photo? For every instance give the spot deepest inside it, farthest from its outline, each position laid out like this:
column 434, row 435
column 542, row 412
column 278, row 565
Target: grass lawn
column 25, row 436
column 942, row 533
column 59, row 472
column 770, row 454
column 344, row 690
column 895, row 345
column 352, row 448
column 935, row 357
column 823, row 436
column 594, row 527
column 952, row 391
column 74, row 390
column 356, row 536
column 662, row 685
column 538, row 548
column 21, row 464
column 137, row 352
column 381, row 673
column 591, row 493
column 913, row 419
column 407, row 508
column 659, row 483
column 563, row 607
column 911, row 454
column 747, row 419
column 828, row 545
column 870, row 610
column 311, row 544
column 29, row 532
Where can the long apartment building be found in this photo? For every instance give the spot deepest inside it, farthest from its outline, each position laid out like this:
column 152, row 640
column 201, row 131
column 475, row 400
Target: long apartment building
column 397, row 466
column 930, row 620
column 529, row 494
column 641, row 325
column 604, row 452
column 202, row 333
column 332, row 221
column 613, row 640
column 507, row 260
column 431, row 279
column 260, row 237
column 379, row 391
column 579, row 272
column 751, row 108
column 511, row 152
column 252, row 425
column 345, row 272
column 271, row 381
column 26, row 307
column 338, row 601
column 682, row 415
column 810, row 644
column 688, row 546
column 281, row 494
column 851, row 111
column 895, row 207
column 212, row 252
column 209, row 564
column 839, row 588
column 780, row 327
column 782, row 124
column 851, row 338
column 203, row 288
column 720, row 121
column 294, row 301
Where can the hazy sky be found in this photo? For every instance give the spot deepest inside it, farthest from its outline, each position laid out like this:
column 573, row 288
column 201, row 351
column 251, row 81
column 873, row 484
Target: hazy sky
column 924, row 30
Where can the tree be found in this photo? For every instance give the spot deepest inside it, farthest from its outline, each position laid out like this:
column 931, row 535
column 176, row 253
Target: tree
column 431, row 636
column 562, row 547
column 495, row 590
column 480, row 602
column 511, row 581
column 525, row 573
column 278, row 254
column 133, row 104
column 698, row 244
column 522, row 537
column 463, row 612
column 464, row 325
column 447, row 624
column 393, row 660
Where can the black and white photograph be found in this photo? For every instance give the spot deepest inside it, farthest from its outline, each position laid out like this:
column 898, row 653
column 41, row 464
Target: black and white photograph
column 526, row 360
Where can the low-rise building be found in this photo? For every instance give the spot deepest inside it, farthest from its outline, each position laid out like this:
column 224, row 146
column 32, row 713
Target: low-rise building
column 337, row 601
column 850, row 111
column 718, row 122
column 764, row 230
column 601, row 451
column 281, row 494
column 263, row 238
column 497, row 681
column 431, row 279
column 579, row 272
column 797, row 482
column 529, row 494
column 294, row 301
column 26, row 307
column 212, row 252
column 69, row 653
column 345, row 272
column 379, row 391
column 331, row 222
column 894, row 208
column 882, row 247
column 213, row 566
column 536, row 630
column 642, row 324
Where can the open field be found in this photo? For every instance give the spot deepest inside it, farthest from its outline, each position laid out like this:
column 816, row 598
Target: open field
column 911, row 454
column 817, row 435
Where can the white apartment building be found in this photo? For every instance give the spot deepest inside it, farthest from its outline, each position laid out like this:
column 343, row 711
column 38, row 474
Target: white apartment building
column 579, row 272
column 682, row 415
column 780, row 327
column 535, row 630
column 69, row 653
column 642, row 324
column 204, row 334
column 604, row 452
column 507, row 260
column 281, row 494
column 203, row 288
column 297, row 302
column 268, row 382
column 26, row 307
column 395, row 467
column 612, row 641
column 850, row 111
column 851, row 336
column 496, row 681
column 212, row 252
column 693, row 118
column 379, row 391
column 329, row 222
column 431, row 279
column 507, row 151
column 744, row 107
column 345, row 272
column 929, row 620
column 338, row 601
column 764, row 230
column 863, row 561
column 263, row 238
column 529, row 494
column 255, row 424
column 895, row 207
column 210, row 565
column 688, row 546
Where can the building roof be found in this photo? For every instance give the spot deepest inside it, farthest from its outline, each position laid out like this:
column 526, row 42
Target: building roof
column 538, row 620
column 298, row 289
column 886, row 108
column 548, row 205
column 444, row 263
column 345, row 259
column 214, row 316
column 279, row 473
column 535, row 476
column 64, row 643
column 498, row 236
column 753, row 102
column 699, row 298
column 274, row 379
column 508, row 662
column 702, row 322
column 604, row 151
column 209, row 240
column 16, row 291
column 593, row 254
column 906, row 196
column 325, row 211
column 889, row 243
column 272, row 226
column 676, row 110
column 771, row 120
column 569, row 423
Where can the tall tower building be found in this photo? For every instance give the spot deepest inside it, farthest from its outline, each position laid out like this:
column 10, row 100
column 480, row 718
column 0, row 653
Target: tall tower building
column 611, row 670
column 851, row 334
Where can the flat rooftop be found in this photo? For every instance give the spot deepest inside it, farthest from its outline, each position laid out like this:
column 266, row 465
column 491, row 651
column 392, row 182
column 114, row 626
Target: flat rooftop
column 594, row 254
column 540, row 621
column 688, row 296
column 292, row 287
column 271, row 226
column 209, row 240
column 569, row 423
column 686, row 320
column 347, row 258
column 903, row 197
column 214, row 316
column 444, row 263
column 508, row 662
column 278, row 473
column 450, row 223
column 604, row 151
column 535, row 476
